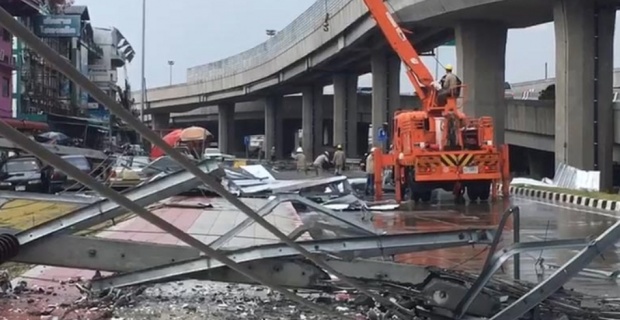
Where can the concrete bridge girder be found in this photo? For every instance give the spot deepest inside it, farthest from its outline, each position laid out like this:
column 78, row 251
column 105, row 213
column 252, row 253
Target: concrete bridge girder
column 349, row 24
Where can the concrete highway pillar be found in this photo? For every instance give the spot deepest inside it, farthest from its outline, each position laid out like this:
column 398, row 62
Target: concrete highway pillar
column 345, row 112
column 226, row 127
column 385, row 70
column 160, row 121
column 481, row 64
column 535, row 164
column 273, row 126
column 584, row 80
column 312, row 121
column 393, row 94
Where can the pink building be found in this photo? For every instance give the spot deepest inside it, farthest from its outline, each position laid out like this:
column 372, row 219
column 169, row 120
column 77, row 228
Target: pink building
column 6, row 69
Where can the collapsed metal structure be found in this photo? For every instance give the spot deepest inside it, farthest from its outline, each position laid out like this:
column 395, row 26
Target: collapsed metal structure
column 439, row 294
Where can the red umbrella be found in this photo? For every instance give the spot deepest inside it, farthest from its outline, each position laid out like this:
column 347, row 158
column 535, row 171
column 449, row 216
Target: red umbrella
column 171, row 138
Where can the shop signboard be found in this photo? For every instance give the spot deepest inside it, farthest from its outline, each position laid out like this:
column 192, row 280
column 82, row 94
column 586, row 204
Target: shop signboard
column 57, row 26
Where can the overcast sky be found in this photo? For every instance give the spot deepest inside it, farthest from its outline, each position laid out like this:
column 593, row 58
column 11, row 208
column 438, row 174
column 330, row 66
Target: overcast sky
column 194, row 32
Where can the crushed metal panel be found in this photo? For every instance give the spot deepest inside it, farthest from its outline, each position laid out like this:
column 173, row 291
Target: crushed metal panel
column 291, row 273
column 387, row 271
column 64, row 198
column 107, row 209
column 284, row 186
column 259, row 171
column 372, row 246
column 102, row 254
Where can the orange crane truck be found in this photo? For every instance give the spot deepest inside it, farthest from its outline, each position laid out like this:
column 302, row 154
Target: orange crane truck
column 437, row 146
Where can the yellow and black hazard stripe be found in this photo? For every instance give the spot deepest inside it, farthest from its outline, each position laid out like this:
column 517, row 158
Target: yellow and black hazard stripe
column 487, row 160
column 457, row 160
column 466, row 160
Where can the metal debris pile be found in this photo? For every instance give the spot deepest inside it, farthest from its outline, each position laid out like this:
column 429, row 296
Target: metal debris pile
column 53, row 302
column 563, row 304
column 192, row 299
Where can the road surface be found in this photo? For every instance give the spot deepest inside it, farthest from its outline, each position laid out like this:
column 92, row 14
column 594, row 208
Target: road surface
column 186, row 300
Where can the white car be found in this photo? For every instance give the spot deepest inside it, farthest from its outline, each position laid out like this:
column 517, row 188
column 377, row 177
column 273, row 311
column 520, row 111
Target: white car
column 216, row 154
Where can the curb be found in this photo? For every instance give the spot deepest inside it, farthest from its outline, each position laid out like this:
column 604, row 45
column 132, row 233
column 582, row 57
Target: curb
column 595, row 203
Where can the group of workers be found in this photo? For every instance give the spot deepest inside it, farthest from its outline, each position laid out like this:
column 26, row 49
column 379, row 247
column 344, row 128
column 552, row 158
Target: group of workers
column 322, row 163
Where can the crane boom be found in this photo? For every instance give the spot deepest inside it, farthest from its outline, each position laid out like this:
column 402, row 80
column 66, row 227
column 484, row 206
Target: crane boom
column 418, row 73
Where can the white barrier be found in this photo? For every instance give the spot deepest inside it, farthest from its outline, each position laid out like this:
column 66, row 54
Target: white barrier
column 569, row 177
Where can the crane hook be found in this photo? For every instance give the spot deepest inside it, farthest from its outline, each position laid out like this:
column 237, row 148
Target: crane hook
column 326, row 23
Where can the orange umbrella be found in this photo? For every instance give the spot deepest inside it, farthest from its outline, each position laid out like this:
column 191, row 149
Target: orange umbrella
column 171, row 138
column 194, row 134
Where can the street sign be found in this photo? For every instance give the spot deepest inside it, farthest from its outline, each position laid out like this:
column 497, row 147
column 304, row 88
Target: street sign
column 246, row 140
column 381, row 135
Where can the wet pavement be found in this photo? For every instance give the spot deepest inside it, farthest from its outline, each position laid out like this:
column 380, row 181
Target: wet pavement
column 539, row 221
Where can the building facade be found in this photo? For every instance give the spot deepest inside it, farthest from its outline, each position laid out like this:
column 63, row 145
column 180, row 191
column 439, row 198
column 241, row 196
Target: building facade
column 6, row 74
column 40, row 90
column 19, row 9
column 104, row 71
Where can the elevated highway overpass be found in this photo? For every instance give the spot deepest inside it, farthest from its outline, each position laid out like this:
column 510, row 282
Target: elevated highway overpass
column 304, row 54
column 304, row 58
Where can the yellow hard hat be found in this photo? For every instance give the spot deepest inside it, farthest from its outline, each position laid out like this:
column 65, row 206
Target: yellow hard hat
column 339, row 147
column 448, row 67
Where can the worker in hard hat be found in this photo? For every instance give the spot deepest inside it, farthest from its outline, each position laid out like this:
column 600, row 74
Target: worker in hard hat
column 339, row 160
column 300, row 159
column 450, row 82
column 370, row 173
column 321, row 162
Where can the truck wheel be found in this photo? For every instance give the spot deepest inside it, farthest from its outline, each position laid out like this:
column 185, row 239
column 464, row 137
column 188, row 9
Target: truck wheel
column 484, row 191
column 425, row 196
column 416, row 196
column 472, row 192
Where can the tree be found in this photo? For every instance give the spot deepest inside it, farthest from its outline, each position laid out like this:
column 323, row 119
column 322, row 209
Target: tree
column 548, row 93
column 57, row 6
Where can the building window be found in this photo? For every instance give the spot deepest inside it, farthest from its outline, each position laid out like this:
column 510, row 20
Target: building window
column 6, row 87
column 6, row 35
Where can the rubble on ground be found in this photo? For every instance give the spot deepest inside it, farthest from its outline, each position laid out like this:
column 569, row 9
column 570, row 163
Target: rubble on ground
column 191, row 299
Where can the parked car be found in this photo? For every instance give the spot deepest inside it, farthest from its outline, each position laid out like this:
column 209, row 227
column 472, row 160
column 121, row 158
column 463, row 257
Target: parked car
column 27, row 173
column 82, row 163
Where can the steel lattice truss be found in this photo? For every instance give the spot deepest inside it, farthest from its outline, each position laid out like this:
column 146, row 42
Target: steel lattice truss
column 440, row 295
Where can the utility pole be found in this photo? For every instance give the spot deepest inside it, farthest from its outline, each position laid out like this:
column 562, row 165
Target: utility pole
column 170, row 63
column 143, row 77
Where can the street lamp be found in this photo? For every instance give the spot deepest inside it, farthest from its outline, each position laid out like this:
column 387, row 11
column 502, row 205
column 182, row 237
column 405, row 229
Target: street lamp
column 170, row 63
column 270, row 32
